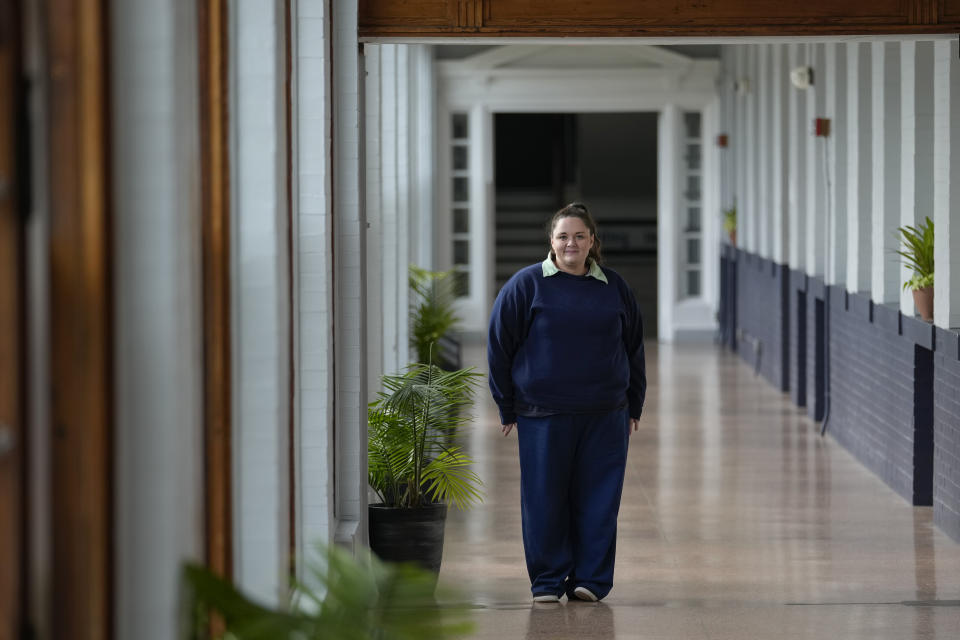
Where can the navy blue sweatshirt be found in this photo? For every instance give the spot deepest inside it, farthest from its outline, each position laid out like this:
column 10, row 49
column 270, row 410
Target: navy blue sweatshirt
column 565, row 344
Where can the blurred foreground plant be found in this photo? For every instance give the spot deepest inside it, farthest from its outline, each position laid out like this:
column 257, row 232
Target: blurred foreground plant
column 356, row 599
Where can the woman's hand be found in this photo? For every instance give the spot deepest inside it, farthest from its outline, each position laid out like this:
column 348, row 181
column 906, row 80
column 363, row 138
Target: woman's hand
column 634, row 425
column 507, row 428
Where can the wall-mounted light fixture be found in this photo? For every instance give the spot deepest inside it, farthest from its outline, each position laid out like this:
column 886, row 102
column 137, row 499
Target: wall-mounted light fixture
column 802, row 77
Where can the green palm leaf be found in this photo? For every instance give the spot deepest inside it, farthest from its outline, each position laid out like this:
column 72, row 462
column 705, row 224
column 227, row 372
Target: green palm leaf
column 362, row 599
column 411, row 427
column 432, row 312
column 917, row 251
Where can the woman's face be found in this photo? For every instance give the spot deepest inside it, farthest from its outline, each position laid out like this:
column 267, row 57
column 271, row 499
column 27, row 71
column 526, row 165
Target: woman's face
column 571, row 241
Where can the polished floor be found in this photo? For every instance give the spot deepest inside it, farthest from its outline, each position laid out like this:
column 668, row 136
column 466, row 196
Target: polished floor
column 738, row 521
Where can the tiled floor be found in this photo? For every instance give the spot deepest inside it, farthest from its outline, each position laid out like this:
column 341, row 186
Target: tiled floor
column 737, row 521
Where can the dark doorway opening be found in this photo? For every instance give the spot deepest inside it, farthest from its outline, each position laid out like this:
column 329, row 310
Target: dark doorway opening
column 800, row 392
column 606, row 160
column 922, row 426
column 819, row 361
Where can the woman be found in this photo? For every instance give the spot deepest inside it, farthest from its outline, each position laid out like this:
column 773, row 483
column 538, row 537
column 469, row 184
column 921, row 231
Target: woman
column 567, row 371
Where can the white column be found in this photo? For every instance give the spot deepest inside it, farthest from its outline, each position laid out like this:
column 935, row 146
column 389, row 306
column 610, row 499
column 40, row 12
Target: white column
column 740, row 145
column 349, row 287
column 752, row 140
column 390, row 125
column 668, row 188
column 423, row 158
column 314, row 284
column 887, row 129
column 728, row 127
column 261, row 304
column 816, row 177
column 710, row 224
column 859, row 167
column 475, row 310
column 797, row 166
column 399, row 318
column 763, row 149
column 158, row 463
column 779, row 154
column 916, row 198
column 836, row 87
column 946, row 205
column 373, row 55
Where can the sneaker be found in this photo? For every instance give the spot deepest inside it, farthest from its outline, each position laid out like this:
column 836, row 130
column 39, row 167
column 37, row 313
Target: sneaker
column 582, row 593
column 545, row 597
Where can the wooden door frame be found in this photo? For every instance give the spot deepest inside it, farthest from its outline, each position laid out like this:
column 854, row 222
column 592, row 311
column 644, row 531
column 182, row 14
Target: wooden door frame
column 81, row 310
column 492, row 19
column 213, row 63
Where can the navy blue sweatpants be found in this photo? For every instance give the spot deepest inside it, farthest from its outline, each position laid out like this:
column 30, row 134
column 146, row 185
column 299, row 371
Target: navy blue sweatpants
column 571, row 479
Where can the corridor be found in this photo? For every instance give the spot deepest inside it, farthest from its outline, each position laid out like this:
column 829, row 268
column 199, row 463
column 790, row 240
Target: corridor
column 738, row 521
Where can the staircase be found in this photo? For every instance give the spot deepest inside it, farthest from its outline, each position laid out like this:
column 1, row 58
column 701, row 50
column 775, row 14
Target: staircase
column 521, row 236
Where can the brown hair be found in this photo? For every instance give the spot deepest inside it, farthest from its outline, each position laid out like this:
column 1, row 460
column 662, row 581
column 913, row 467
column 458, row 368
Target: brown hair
column 577, row 210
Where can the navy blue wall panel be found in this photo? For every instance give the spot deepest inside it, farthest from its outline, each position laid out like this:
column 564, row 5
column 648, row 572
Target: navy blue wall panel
column 871, row 396
column 797, row 297
column 946, row 433
column 760, row 309
column 815, row 348
column 893, row 381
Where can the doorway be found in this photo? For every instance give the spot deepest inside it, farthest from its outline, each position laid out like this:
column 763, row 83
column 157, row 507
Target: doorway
column 606, row 160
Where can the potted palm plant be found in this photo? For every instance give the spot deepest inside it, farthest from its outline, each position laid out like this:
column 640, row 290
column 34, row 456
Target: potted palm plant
column 730, row 223
column 414, row 465
column 917, row 251
column 432, row 317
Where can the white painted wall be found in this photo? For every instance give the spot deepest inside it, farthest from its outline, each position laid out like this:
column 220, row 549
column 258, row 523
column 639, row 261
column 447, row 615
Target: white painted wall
column 859, row 166
column 497, row 82
column 890, row 160
column 946, row 171
column 157, row 317
column 886, row 170
column 313, row 287
column 796, row 167
column 668, row 187
column 423, row 157
column 916, row 193
column 816, row 178
column 779, row 155
column 836, row 110
column 350, row 294
column 710, row 220
column 261, row 329
column 765, row 91
column 398, row 196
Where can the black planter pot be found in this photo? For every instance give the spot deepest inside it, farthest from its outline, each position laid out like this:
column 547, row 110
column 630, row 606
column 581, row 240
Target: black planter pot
column 408, row 535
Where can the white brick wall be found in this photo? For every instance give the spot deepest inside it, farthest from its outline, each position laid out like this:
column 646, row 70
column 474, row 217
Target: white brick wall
column 796, row 165
column 816, row 202
column 859, row 166
column 765, row 92
column 314, row 277
column 916, row 195
column 893, row 107
column 778, row 153
column 836, row 87
column 946, row 294
column 886, row 131
column 350, row 282
column 261, row 304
